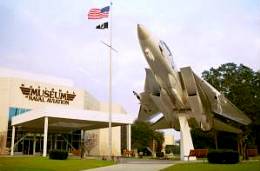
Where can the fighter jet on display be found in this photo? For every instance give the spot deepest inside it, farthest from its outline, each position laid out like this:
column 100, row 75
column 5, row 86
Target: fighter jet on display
column 169, row 93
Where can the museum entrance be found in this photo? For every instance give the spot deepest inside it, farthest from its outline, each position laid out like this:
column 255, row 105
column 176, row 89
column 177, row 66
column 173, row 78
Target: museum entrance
column 32, row 144
column 63, row 128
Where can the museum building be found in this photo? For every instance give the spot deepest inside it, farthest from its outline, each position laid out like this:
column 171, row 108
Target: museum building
column 39, row 113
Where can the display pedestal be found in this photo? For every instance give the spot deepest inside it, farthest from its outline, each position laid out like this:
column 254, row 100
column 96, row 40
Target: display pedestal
column 186, row 141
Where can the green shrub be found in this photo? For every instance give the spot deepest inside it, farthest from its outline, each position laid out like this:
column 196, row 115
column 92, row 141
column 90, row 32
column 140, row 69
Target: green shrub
column 159, row 154
column 223, row 157
column 58, row 154
column 175, row 149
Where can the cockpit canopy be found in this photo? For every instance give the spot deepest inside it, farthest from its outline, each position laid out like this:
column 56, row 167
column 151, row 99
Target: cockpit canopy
column 166, row 52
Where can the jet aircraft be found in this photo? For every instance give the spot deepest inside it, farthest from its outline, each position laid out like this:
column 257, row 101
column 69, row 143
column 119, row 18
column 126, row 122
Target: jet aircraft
column 170, row 93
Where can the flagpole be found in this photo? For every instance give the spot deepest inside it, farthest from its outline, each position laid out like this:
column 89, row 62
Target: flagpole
column 110, row 86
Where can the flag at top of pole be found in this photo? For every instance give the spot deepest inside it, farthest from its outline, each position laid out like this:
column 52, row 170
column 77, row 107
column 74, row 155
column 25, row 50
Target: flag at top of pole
column 96, row 13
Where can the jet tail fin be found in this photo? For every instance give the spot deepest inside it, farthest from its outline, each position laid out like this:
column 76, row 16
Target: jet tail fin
column 222, row 126
column 161, row 124
column 221, row 105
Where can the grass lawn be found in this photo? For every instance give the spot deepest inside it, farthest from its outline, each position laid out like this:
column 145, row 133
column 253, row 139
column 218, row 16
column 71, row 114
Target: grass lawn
column 45, row 164
column 243, row 166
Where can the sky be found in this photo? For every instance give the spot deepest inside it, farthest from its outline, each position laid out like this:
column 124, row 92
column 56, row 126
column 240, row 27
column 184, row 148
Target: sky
column 55, row 37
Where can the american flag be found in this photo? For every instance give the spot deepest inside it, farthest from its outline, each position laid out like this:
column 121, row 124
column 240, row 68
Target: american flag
column 96, row 13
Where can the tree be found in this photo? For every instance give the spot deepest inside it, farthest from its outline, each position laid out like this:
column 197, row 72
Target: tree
column 159, row 139
column 202, row 139
column 143, row 136
column 2, row 142
column 174, row 149
column 241, row 85
column 90, row 142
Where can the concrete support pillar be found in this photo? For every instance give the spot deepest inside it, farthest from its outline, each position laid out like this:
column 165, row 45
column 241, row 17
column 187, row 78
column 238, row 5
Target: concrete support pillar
column 186, row 140
column 12, row 143
column 128, row 137
column 45, row 137
column 34, row 144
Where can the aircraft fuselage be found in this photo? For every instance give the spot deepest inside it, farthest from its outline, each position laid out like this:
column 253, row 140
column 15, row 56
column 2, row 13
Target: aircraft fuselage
column 159, row 58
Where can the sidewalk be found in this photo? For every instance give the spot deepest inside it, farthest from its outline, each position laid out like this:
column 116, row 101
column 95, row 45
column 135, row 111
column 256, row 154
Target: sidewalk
column 136, row 165
column 132, row 167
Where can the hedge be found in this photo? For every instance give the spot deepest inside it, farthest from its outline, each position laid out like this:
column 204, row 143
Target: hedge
column 58, row 154
column 223, row 157
column 159, row 154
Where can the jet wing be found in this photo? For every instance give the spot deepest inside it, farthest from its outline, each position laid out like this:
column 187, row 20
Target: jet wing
column 148, row 108
column 221, row 105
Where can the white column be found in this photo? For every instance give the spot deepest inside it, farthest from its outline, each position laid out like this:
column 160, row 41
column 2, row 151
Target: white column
column 40, row 142
column 51, row 137
column 55, row 142
column 82, row 137
column 34, row 144
column 45, row 137
column 154, row 153
column 82, row 140
column 12, row 143
column 128, row 137
column 186, row 140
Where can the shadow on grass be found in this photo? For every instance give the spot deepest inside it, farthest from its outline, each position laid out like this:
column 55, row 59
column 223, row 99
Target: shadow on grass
column 45, row 164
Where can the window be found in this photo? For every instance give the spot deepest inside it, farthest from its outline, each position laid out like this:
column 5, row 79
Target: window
column 13, row 111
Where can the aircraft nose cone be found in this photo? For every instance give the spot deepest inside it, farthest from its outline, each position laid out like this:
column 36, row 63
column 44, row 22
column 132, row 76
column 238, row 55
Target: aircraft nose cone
column 142, row 32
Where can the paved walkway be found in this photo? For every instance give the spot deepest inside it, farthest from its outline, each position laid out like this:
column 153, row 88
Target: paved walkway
column 132, row 167
column 136, row 165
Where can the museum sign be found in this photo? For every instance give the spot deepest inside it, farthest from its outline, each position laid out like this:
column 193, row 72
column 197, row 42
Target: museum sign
column 48, row 96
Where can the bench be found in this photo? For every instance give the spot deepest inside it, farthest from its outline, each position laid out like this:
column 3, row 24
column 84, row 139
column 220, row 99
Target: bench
column 251, row 152
column 199, row 153
column 128, row 153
